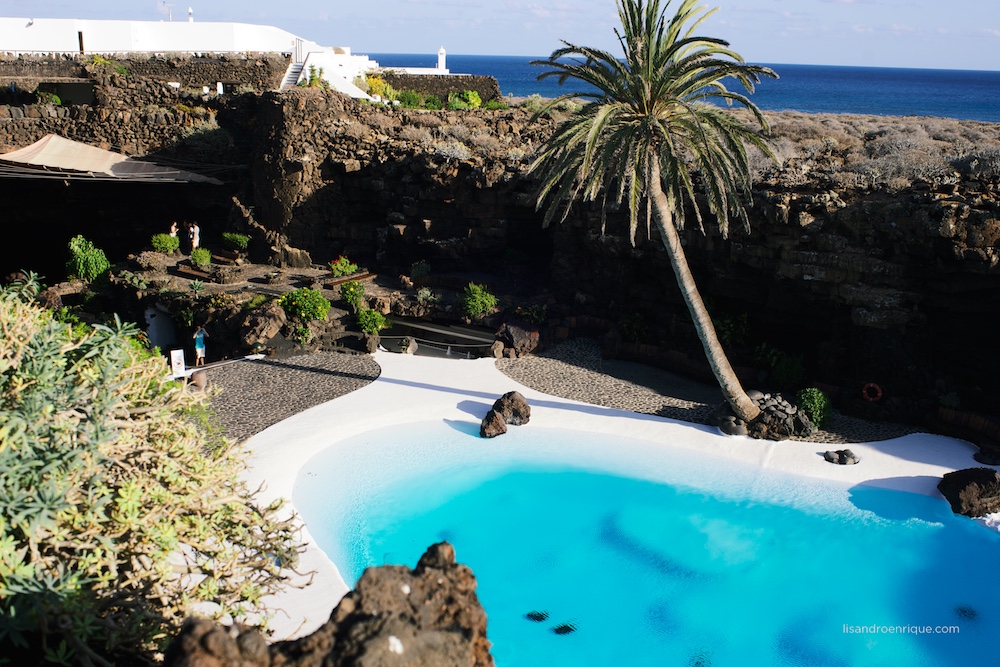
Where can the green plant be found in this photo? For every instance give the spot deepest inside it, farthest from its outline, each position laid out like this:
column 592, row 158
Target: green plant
column 410, row 99
column 113, row 500
column 201, row 258
column 434, row 103
column 534, row 313
column 494, row 105
column 420, row 268
column 196, row 286
column 478, row 301
column 377, row 86
column 633, row 328
column 305, row 304
column 426, row 296
column 786, row 369
column 302, row 335
column 45, row 97
column 732, row 329
column 352, row 293
column 471, row 98
column 815, row 404
column 371, row 321
column 256, row 301
column 86, row 261
column 234, row 241
column 456, row 103
column 342, row 266
column 133, row 280
column 165, row 243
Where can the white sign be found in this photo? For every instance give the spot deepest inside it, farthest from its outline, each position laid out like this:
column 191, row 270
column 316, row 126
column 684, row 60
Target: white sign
column 177, row 362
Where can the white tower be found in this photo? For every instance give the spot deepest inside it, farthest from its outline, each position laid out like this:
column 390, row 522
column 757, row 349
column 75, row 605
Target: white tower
column 190, row 15
column 441, row 55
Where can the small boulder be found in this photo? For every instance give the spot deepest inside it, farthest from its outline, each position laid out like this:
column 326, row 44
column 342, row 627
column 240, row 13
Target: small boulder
column 844, row 457
column 519, row 336
column 514, row 408
column 973, row 492
column 492, row 425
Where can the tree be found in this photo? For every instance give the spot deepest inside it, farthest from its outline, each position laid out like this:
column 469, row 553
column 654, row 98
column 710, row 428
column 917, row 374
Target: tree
column 647, row 130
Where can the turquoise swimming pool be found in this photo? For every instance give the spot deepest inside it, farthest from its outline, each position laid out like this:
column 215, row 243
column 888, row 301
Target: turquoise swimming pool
column 592, row 550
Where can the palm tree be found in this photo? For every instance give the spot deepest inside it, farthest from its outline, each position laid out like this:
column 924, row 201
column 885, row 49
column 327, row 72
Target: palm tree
column 647, row 130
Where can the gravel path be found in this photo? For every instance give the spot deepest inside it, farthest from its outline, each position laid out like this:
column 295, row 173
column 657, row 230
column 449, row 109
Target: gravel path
column 257, row 394
column 575, row 370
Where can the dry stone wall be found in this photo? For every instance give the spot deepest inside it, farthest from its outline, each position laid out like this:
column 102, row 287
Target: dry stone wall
column 442, row 86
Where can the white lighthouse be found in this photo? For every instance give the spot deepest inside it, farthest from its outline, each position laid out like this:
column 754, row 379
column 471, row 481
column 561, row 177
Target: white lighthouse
column 441, row 61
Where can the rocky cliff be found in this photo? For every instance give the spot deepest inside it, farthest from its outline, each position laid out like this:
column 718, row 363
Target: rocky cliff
column 872, row 254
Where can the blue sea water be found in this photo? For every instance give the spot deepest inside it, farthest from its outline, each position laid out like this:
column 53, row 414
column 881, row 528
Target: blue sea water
column 967, row 95
column 712, row 562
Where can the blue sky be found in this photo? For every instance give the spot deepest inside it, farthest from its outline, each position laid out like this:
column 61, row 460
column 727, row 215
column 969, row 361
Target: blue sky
column 955, row 34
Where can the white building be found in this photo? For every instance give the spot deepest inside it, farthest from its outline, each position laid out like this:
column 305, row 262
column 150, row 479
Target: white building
column 26, row 35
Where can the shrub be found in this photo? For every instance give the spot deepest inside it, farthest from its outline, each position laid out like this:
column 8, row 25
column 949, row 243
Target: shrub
column 471, row 98
column 633, row 328
column 371, row 321
column 86, row 261
column 420, row 268
column 815, row 404
column 417, row 135
column 45, row 97
column 256, row 301
column 113, row 500
column 342, row 266
column 426, row 296
column 410, row 99
column 434, row 103
column 478, row 301
column 305, row 304
column 201, row 258
column 352, row 293
column 165, row 243
column 456, row 103
column 494, row 105
column 196, row 287
column 234, row 241
column 378, row 86
column 152, row 261
column 453, row 150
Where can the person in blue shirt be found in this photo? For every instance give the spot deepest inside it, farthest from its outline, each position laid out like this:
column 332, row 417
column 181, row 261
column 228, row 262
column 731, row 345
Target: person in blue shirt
column 199, row 346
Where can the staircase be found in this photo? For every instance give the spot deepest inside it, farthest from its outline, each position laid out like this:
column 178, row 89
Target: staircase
column 292, row 75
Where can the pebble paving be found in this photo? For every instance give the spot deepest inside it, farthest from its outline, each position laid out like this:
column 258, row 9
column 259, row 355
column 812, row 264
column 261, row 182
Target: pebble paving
column 257, row 394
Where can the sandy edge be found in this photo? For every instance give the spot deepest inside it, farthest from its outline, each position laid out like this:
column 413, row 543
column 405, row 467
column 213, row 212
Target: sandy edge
column 415, row 388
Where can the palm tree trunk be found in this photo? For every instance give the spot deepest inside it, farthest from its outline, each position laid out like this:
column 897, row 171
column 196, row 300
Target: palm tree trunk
column 743, row 407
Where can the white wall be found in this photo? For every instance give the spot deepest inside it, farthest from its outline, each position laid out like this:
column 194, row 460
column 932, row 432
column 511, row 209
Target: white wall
column 61, row 36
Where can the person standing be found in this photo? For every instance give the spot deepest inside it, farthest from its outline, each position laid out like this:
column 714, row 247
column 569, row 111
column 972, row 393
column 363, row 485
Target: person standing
column 173, row 229
column 199, row 345
column 195, row 235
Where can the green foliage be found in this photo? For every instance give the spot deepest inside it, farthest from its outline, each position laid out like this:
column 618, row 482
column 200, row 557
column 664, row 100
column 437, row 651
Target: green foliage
column 732, row 329
column 305, row 305
column 426, row 296
column 165, row 243
column 342, row 266
column 371, row 321
column 457, row 103
column 786, row 370
column 352, row 293
column 234, row 241
column 410, row 99
column 534, row 313
column 420, row 268
column 315, row 79
column 815, row 404
column 133, row 280
column 86, row 261
column 434, row 103
column 201, row 258
column 302, row 335
column 256, row 301
column 196, row 286
column 45, row 97
column 113, row 499
column 495, row 105
column 478, row 301
column 377, row 86
column 633, row 328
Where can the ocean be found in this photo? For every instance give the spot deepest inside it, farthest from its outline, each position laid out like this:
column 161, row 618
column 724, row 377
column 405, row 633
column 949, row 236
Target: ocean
column 882, row 91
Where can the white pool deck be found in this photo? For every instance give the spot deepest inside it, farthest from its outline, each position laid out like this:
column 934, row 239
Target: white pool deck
column 418, row 389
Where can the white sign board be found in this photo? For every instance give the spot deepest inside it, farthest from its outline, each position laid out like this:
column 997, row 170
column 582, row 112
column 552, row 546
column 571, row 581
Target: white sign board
column 177, row 362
